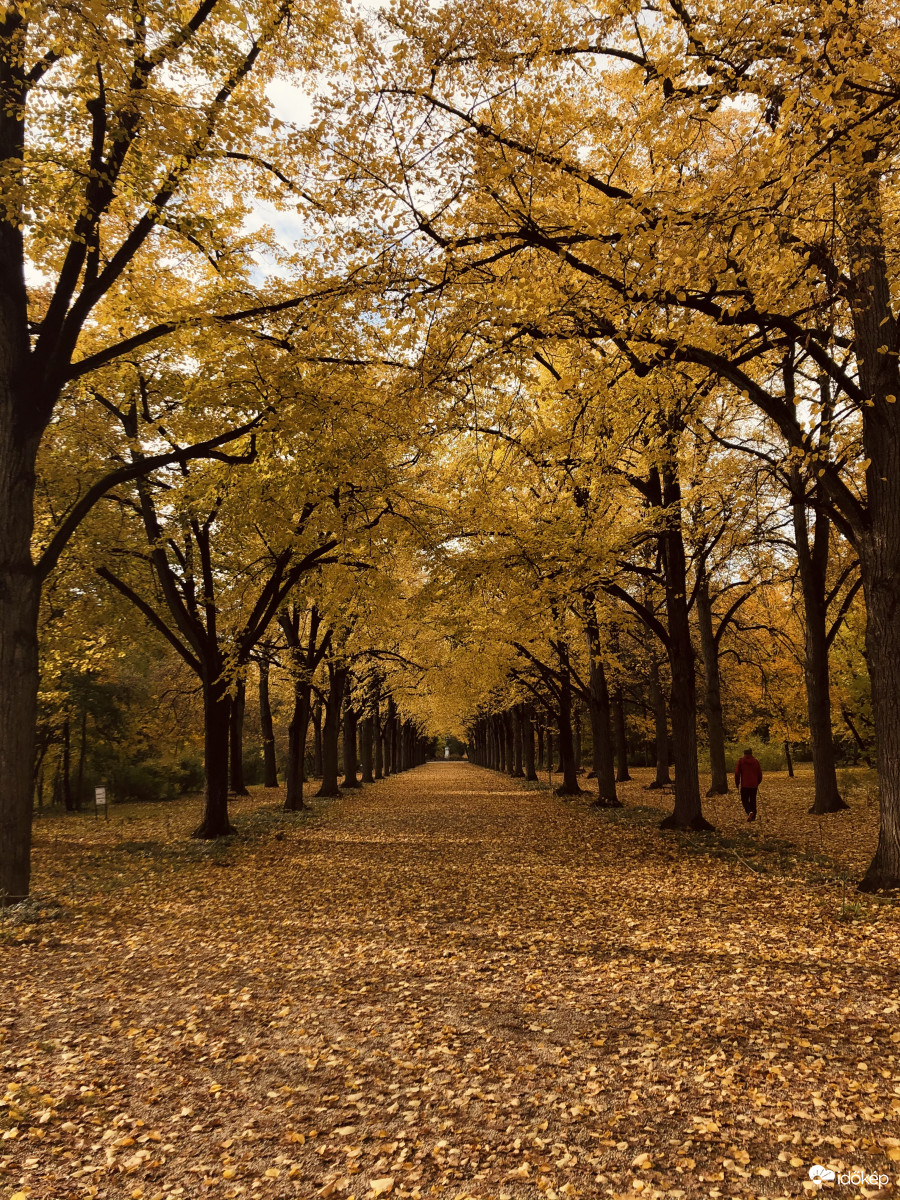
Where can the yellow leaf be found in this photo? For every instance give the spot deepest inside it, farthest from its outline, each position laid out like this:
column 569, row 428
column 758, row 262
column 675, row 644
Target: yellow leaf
column 382, row 1187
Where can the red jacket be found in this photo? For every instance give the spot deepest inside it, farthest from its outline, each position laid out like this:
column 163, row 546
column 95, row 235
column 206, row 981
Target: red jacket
column 748, row 772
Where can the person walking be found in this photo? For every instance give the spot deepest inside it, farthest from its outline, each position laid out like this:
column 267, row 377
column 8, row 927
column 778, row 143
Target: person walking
column 748, row 777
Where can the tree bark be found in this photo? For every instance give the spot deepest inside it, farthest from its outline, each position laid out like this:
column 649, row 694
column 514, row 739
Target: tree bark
column 82, row 750
column 217, row 730
column 688, row 810
column 577, row 732
column 569, row 785
column 528, row 743
column 812, row 567
column 515, row 734
column 790, row 761
column 599, row 714
column 378, row 743
column 317, row 739
column 882, row 592
column 660, row 725
column 331, row 731
column 236, row 751
column 875, row 326
column 349, row 741
column 67, row 765
column 296, row 762
column 366, row 734
column 620, row 737
column 390, row 741
column 861, row 745
column 715, row 726
column 270, row 765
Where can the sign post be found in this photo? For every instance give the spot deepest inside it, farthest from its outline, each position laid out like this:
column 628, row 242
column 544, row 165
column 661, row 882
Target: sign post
column 100, row 801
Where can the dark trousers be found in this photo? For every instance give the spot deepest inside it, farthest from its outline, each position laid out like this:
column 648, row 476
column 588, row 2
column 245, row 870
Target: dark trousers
column 748, row 799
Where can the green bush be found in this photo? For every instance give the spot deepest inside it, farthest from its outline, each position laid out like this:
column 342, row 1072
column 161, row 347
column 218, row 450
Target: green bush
column 141, row 782
column 253, row 765
column 770, row 755
column 189, row 774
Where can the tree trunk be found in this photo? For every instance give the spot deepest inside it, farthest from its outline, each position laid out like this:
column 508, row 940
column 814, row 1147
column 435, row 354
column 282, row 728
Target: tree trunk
column 317, row 739
column 19, row 603
column 812, row 567
column 270, row 766
column 378, row 743
column 620, row 737
column 67, row 765
column 854, row 733
column 236, row 755
column 874, row 326
column 82, row 751
column 366, row 734
column 331, row 731
column 296, row 762
column 349, row 742
column 688, row 811
column 216, row 733
column 660, row 725
column 790, row 761
column 577, row 731
column 528, row 743
column 881, row 583
column 513, row 745
column 390, row 744
column 715, row 727
column 599, row 714
column 569, row 785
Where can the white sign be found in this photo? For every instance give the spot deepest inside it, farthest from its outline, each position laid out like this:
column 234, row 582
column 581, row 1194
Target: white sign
column 100, row 796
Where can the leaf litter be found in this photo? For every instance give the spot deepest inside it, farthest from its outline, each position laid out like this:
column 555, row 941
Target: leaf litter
column 448, row 985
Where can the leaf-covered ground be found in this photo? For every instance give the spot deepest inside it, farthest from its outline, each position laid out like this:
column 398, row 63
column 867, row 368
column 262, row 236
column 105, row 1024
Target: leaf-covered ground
column 447, row 985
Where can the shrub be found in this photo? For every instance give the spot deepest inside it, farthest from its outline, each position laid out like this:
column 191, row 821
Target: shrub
column 141, row 781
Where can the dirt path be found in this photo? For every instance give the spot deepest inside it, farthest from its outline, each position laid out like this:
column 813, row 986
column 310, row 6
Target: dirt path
column 444, row 985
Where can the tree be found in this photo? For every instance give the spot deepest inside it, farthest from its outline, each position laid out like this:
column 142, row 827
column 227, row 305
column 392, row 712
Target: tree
column 709, row 192
column 104, row 200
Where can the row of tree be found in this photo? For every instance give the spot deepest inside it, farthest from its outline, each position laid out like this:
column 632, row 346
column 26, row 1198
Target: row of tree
column 576, row 355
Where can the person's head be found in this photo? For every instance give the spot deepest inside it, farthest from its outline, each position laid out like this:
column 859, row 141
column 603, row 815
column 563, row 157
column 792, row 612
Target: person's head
column 748, row 754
